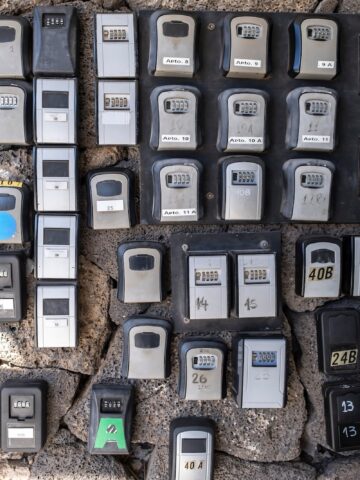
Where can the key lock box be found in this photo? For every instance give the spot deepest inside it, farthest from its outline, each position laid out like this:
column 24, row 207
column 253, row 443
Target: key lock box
column 242, row 187
column 242, row 125
column 246, row 46
column 192, row 443
column 110, row 203
column 338, row 334
column 56, row 179
column 259, row 368
column 56, row 315
column 55, row 51
column 141, row 266
column 351, row 265
column 15, row 47
column 175, row 125
column 318, row 267
column 117, row 112
column 56, row 110
column 314, row 48
column 111, row 415
column 311, row 119
column 202, row 369
column 12, row 286
column 177, row 190
column 115, row 45
column 56, row 246
column 14, row 212
column 172, row 45
column 23, row 415
column 307, row 189
column 146, row 351
column 15, row 112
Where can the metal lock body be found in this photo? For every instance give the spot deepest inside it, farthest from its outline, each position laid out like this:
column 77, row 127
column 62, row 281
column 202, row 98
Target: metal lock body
column 110, row 199
column 56, row 315
column 243, row 183
column 115, row 45
column 242, row 123
column 246, row 46
column 208, row 294
column 12, row 286
column 259, row 366
column 55, row 51
column 338, row 335
column 14, row 212
column 176, row 187
column 318, row 267
column 117, row 112
column 56, row 179
column 314, row 46
column 307, row 190
column 15, row 112
column 111, row 415
column 172, row 45
column 56, row 110
column 257, row 285
column 202, row 369
column 23, row 415
column 192, row 441
column 15, row 47
column 311, row 119
column 141, row 272
column 146, row 350
column 174, row 110
column 56, row 246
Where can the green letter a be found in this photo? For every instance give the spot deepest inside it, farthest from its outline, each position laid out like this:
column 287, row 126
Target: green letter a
column 110, row 430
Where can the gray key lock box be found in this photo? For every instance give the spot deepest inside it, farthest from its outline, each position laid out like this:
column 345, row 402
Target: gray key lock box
column 56, row 110
column 16, row 112
column 141, row 267
column 23, row 415
column 117, row 112
column 146, row 350
column 115, row 45
column 202, row 369
column 314, row 48
column 259, row 366
column 242, row 187
column 246, row 46
column 56, row 246
column 318, row 267
column 307, row 189
column 177, row 187
column 351, row 265
column 242, row 122
column 110, row 199
column 12, row 286
column 56, row 315
column 14, row 212
column 192, row 444
column 111, row 416
column 56, row 180
column 172, row 45
column 311, row 119
column 15, row 47
column 174, row 113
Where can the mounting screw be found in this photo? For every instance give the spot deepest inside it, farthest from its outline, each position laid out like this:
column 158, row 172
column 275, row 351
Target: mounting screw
column 210, row 195
column 264, row 244
column 186, row 320
column 211, row 26
column 185, row 247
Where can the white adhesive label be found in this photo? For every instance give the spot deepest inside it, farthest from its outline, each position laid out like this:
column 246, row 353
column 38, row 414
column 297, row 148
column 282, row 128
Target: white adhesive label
column 109, row 205
column 56, row 185
column 316, row 138
column 247, row 62
column 181, row 61
column 246, row 140
column 325, row 64
column 20, row 432
column 178, row 212
column 55, row 117
column 56, row 323
column 56, row 253
column 6, row 304
column 175, row 138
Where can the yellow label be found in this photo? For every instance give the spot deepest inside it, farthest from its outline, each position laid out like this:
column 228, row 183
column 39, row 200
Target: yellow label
column 344, row 357
column 10, row 183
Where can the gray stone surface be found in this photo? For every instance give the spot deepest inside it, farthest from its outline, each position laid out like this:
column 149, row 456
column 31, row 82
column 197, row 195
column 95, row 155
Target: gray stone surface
column 327, row 6
column 341, row 469
column 17, row 342
column 11, row 470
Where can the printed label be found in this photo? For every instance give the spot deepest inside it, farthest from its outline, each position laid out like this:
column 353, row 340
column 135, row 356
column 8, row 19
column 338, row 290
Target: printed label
column 10, row 183
column 179, row 212
column 175, row 138
column 55, row 117
column 247, row 62
column 181, row 61
column 109, row 205
column 56, row 253
column 56, row 185
column 6, row 304
column 246, row 140
column 316, row 138
column 20, row 433
column 325, row 64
